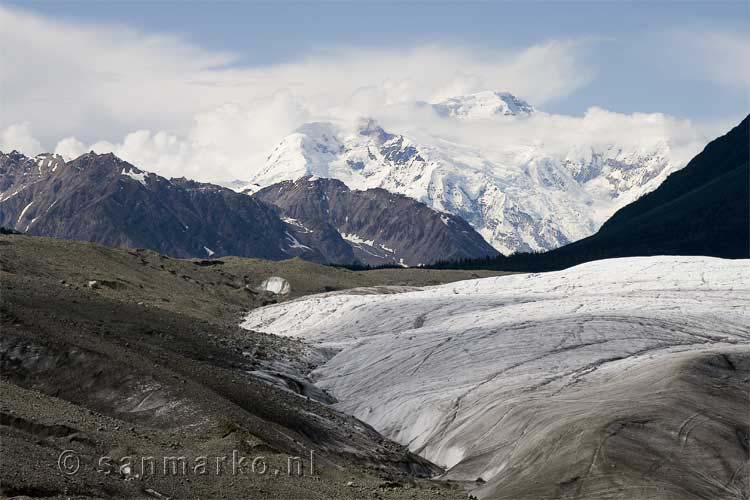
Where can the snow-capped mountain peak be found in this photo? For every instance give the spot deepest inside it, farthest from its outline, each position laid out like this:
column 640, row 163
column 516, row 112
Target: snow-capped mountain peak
column 308, row 150
column 361, row 155
column 487, row 104
column 40, row 165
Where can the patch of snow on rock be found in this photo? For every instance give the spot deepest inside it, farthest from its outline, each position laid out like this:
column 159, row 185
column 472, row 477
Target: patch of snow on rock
column 357, row 240
column 23, row 212
column 136, row 175
column 295, row 243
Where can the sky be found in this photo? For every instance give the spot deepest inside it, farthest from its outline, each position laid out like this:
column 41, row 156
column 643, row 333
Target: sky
column 168, row 82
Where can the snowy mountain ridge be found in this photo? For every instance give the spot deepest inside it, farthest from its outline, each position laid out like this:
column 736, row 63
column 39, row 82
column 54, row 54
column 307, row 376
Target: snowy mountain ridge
column 519, row 197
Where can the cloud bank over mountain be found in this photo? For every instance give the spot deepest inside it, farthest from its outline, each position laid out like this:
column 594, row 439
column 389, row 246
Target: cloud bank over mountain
column 175, row 108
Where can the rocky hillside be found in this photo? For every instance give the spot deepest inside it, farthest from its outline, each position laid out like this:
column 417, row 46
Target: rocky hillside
column 373, row 226
column 104, row 199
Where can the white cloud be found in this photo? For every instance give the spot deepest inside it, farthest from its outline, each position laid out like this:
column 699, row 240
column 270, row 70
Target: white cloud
column 219, row 145
column 561, row 135
column 215, row 148
column 18, row 136
column 719, row 57
column 70, row 148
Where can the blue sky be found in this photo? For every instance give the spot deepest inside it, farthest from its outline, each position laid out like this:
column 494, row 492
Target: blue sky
column 622, row 35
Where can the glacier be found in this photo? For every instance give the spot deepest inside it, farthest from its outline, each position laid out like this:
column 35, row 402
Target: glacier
column 530, row 384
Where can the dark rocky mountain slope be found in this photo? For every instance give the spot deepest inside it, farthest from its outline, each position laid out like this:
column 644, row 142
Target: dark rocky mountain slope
column 104, row 199
column 373, row 226
column 703, row 209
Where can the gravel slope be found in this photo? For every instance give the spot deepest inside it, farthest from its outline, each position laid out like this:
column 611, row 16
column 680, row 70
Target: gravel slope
column 127, row 353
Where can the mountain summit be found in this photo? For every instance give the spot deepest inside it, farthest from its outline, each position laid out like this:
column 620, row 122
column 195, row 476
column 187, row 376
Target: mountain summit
column 485, row 104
